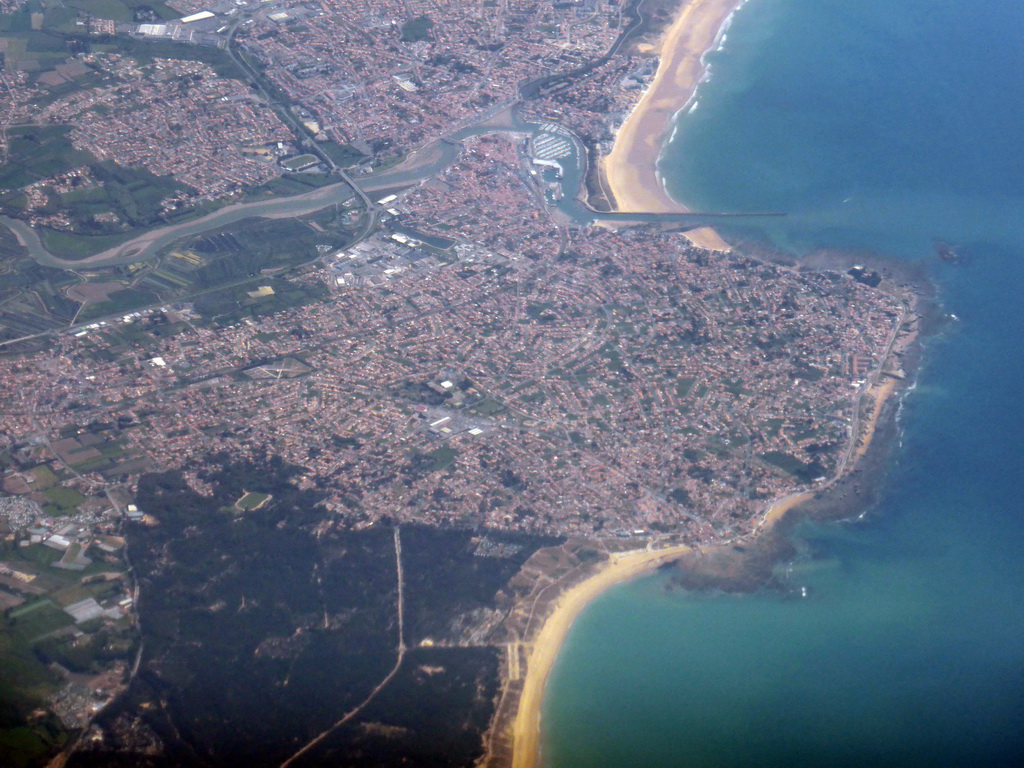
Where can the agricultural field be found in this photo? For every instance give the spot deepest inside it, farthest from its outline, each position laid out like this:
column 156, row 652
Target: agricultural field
column 81, row 205
column 36, row 153
column 32, row 297
column 220, row 269
column 38, row 643
column 125, row 10
column 63, row 501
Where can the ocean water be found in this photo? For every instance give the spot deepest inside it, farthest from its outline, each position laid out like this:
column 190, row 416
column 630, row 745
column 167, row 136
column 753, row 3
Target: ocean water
column 878, row 125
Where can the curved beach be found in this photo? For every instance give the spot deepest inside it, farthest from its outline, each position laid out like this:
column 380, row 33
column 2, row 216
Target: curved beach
column 621, row 567
column 631, row 179
column 628, row 565
column 630, row 170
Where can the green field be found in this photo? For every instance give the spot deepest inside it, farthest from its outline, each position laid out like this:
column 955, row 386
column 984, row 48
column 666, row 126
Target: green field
column 65, row 500
column 299, row 162
column 291, row 184
column 69, row 245
column 231, row 305
column 120, row 301
column 417, row 29
column 344, row 155
column 45, row 478
column 489, row 407
column 793, row 465
column 443, row 458
column 37, row 619
column 122, row 10
column 684, row 386
column 252, row 500
column 37, row 153
column 26, row 684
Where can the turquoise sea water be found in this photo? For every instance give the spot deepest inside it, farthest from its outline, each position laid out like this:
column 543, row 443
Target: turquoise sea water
column 879, row 125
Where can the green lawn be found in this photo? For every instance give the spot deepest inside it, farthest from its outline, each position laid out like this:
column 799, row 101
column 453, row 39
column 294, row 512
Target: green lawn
column 489, row 407
column 793, row 465
column 44, row 478
column 252, row 500
column 38, row 619
column 417, row 29
column 37, row 153
column 443, row 458
column 64, row 498
column 299, row 162
column 684, row 386
column 68, row 245
column 120, row 301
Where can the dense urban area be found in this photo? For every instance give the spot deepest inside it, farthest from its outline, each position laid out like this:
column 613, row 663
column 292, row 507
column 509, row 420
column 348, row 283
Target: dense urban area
column 448, row 355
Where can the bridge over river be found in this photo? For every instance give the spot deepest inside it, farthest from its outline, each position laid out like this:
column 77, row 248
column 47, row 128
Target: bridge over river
column 417, row 167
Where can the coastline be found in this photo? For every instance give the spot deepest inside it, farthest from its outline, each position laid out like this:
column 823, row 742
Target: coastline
column 852, row 489
column 630, row 170
column 546, row 646
column 620, row 567
column 878, row 394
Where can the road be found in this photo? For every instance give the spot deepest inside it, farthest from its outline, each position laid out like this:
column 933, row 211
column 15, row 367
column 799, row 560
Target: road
column 394, row 670
column 872, row 381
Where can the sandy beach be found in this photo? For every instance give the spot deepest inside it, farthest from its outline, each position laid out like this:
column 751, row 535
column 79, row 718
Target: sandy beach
column 631, row 180
column 879, row 393
column 621, row 567
column 780, row 507
column 630, row 170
